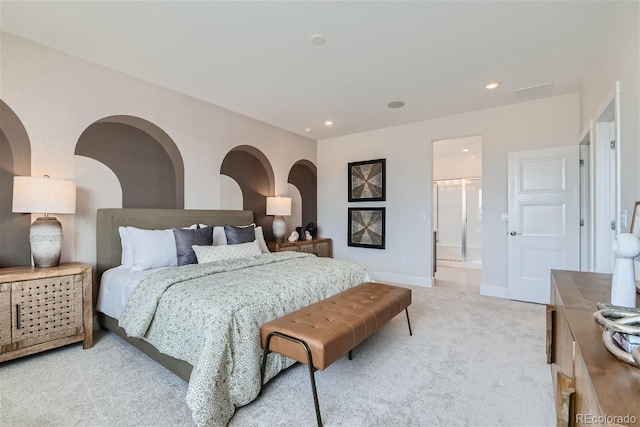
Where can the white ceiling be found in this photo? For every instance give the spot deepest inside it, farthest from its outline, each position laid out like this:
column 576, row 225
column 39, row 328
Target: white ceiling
column 256, row 58
column 454, row 146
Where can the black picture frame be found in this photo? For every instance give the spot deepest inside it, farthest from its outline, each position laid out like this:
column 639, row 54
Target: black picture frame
column 367, row 181
column 366, row 227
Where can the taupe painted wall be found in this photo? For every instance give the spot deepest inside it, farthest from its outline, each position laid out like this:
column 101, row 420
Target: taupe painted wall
column 143, row 167
column 253, row 178
column 304, row 176
column 15, row 159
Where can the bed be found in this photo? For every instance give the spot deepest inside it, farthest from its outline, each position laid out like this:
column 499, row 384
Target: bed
column 202, row 321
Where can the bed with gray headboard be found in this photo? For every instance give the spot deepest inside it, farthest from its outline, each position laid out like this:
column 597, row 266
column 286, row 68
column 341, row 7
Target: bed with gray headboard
column 109, row 253
column 223, row 304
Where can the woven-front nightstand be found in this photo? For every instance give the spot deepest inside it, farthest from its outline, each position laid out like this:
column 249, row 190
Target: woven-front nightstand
column 320, row 247
column 44, row 308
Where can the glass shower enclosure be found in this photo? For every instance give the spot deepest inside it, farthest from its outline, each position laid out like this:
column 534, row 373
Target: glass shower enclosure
column 458, row 219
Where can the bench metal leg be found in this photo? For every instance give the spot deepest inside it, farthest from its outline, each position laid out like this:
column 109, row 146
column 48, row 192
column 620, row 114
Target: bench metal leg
column 309, row 363
column 406, row 310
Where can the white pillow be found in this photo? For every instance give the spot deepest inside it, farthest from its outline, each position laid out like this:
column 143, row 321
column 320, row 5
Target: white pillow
column 127, row 250
column 260, row 239
column 152, row 248
column 220, row 253
column 219, row 238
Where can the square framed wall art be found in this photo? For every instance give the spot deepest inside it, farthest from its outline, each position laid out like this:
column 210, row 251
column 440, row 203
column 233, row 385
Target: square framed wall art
column 366, row 227
column 366, row 181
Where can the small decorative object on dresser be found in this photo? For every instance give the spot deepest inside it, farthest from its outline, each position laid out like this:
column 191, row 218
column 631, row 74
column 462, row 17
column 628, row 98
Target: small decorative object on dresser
column 621, row 334
column 294, row 236
column 319, row 247
column 312, row 229
column 44, row 308
column 626, row 247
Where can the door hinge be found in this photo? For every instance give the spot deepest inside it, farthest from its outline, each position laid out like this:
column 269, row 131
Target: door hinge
column 581, row 163
column 613, row 224
column 581, row 222
column 612, row 144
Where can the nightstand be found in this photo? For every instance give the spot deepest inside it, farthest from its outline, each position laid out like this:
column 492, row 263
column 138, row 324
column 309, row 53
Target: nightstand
column 319, row 247
column 44, row 308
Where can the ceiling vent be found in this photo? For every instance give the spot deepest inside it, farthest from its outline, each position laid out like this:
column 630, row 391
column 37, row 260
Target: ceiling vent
column 533, row 90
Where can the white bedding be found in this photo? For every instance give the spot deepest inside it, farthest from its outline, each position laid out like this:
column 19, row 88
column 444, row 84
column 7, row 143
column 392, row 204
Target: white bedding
column 116, row 286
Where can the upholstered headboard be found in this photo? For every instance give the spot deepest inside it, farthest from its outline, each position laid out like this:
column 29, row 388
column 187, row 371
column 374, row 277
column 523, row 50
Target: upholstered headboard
column 109, row 250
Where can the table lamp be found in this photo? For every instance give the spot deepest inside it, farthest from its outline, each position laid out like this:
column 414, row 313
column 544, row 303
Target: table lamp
column 279, row 207
column 44, row 195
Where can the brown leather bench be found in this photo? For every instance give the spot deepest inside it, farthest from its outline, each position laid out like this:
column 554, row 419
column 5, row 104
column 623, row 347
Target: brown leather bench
column 321, row 333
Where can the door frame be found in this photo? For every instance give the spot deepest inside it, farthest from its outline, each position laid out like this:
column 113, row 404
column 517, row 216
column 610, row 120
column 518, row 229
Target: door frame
column 607, row 185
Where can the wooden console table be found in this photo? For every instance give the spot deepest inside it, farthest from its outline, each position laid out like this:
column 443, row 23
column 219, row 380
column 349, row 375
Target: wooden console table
column 591, row 386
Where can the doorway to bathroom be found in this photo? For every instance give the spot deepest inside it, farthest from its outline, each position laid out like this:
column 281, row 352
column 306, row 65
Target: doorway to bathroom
column 457, row 213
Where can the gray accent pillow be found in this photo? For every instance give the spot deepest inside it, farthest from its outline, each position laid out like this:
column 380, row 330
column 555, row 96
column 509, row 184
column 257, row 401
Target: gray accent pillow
column 187, row 237
column 237, row 235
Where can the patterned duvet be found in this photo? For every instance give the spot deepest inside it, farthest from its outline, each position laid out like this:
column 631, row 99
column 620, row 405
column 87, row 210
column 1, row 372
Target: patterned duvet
column 210, row 315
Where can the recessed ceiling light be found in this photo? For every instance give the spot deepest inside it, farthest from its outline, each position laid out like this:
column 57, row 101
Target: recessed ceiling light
column 328, row 122
column 308, row 130
column 465, row 150
column 318, row 39
column 395, row 104
column 472, row 157
column 492, row 85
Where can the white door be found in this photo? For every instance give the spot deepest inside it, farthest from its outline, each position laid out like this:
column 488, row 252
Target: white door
column 544, row 219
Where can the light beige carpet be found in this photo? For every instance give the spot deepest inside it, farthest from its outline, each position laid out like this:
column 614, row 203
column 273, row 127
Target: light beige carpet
column 472, row 360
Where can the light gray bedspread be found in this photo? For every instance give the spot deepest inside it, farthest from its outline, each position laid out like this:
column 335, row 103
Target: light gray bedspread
column 210, row 316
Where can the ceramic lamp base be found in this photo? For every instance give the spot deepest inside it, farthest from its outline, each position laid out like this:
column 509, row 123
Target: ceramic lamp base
column 279, row 226
column 45, row 237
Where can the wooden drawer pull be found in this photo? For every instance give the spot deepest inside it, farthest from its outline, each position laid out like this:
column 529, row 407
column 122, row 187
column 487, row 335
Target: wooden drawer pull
column 550, row 333
column 567, row 418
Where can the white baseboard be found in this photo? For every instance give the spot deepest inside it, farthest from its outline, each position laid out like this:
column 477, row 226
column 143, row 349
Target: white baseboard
column 494, row 291
column 402, row 279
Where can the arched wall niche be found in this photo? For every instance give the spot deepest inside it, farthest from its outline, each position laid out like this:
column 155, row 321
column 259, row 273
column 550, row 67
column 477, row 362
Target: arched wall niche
column 304, row 176
column 15, row 159
column 251, row 169
column 145, row 159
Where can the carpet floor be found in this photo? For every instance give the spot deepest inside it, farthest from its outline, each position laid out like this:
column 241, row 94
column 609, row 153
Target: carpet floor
column 472, row 361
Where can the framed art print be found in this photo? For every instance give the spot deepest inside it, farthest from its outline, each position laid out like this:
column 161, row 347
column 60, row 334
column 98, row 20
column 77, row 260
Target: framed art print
column 366, row 181
column 366, row 227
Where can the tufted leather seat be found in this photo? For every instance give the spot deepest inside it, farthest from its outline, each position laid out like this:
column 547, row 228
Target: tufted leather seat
column 334, row 326
column 319, row 334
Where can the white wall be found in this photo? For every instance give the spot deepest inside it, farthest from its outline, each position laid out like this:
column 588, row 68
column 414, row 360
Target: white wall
column 617, row 58
column 57, row 96
column 457, row 166
column 408, row 149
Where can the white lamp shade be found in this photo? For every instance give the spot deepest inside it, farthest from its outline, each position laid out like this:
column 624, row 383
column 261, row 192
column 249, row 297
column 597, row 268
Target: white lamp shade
column 279, row 206
column 43, row 195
